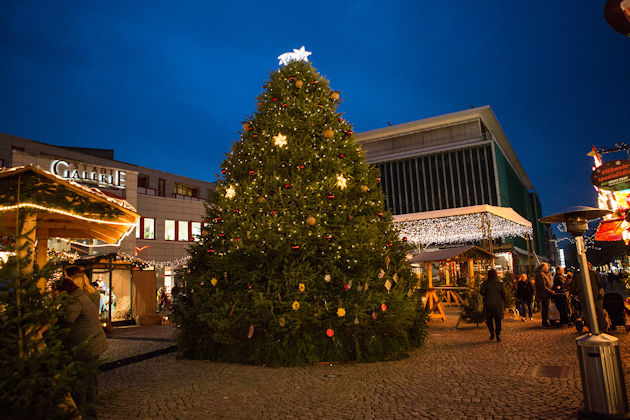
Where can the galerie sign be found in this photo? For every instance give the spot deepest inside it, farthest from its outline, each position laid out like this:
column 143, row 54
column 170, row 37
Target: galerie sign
column 89, row 174
column 614, row 175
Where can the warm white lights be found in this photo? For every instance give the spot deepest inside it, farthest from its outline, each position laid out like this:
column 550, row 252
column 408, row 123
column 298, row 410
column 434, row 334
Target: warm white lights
column 461, row 228
column 76, row 216
column 280, row 140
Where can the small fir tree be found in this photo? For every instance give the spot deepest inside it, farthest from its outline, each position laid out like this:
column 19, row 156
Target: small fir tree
column 299, row 261
column 37, row 373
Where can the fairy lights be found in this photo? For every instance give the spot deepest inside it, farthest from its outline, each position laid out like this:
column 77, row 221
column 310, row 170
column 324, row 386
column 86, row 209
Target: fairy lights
column 461, row 228
column 65, row 213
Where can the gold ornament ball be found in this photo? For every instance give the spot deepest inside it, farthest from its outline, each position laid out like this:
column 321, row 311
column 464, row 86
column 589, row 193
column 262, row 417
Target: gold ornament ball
column 299, row 83
column 335, row 95
column 245, row 127
column 310, row 220
column 261, row 199
column 328, row 133
column 364, row 188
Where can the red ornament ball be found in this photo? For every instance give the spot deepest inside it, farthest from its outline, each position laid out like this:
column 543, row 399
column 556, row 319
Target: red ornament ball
column 346, row 287
column 330, row 196
column 210, row 251
column 330, row 332
column 389, row 244
column 252, row 172
column 295, row 247
column 405, row 239
column 223, row 171
column 287, row 185
column 275, row 99
column 383, row 307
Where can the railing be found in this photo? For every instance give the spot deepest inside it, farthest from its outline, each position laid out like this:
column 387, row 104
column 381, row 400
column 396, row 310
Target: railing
column 186, row 197
column 146, row 191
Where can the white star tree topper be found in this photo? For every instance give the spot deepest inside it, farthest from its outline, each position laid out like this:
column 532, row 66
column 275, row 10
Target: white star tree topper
column 296, row 55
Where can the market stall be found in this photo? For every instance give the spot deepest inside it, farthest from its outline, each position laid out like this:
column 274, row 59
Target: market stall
column 463, row 224
column 459, row 263
column 37, row 205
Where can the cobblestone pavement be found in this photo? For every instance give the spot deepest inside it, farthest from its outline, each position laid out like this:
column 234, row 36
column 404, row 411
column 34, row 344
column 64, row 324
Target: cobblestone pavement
column 456, row 374
column 133, row 340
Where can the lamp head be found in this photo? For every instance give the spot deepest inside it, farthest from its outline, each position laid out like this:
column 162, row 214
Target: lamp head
column 576, row 218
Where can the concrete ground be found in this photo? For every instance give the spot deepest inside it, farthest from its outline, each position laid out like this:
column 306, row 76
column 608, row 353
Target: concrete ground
column 532, row 374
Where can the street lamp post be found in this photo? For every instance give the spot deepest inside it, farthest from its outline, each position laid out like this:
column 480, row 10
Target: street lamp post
column 603, row 384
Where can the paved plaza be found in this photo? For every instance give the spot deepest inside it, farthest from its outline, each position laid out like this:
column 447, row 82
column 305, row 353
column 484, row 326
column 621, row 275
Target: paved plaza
column 532, row 374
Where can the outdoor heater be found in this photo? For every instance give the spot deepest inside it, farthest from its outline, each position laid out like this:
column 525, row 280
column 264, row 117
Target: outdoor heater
column 603, row 384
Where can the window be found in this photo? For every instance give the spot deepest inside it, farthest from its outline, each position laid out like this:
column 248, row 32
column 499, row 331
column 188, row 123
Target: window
column 195, row 229
column 186, row 190
column 148, row 228
column 182, row 231
column 168, row 279
column 162, row 187
column 143, row 181
column 169, row 230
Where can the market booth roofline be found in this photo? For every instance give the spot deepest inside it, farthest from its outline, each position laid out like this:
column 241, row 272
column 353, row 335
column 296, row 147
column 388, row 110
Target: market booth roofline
column 463, row 224
column 55, row 202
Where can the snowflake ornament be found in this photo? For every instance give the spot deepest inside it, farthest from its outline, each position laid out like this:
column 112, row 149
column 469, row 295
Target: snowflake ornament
column 296, row 55
column 342, row 182
column 280, row 140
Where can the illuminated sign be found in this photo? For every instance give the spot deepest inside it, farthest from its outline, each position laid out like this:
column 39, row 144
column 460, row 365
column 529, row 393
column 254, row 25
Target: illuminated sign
column 89, row 174
column 613, row 176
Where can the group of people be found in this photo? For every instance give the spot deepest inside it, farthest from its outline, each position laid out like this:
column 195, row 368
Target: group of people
column 543, row 290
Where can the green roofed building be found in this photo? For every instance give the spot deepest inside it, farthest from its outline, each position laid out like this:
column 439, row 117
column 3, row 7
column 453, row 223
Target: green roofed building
column 455, row 161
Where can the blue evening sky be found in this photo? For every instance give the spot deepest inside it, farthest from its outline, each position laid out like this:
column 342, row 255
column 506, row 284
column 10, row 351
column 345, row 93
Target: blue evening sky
column 166, row 84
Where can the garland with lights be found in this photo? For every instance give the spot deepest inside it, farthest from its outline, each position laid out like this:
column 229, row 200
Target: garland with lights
column 461, row 228
column 299, row 261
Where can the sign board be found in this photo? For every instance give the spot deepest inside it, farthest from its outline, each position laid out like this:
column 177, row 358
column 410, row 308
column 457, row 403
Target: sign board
column 613, row 175
column 89, row 174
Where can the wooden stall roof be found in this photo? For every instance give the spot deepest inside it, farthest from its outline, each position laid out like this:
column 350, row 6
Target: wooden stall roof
column 449, row 254
column 64, row 222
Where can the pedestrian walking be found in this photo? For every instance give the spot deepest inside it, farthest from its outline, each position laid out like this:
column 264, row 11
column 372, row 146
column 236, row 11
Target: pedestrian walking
column 493, row 303
column 525, row 295
column 544, row 292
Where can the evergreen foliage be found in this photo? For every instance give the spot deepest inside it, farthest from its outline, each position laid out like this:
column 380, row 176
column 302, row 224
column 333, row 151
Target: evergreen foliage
column 37, row 374
column 288, row 269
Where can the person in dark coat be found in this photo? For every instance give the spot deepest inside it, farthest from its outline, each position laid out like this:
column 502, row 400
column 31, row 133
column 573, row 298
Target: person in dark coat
column 83, row 320
column 544, row 292
column 525, row 295
column 493, row 303
column 560, row 298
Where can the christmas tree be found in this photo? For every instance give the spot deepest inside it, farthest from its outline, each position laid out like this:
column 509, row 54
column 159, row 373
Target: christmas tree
column 37, row 373
column 299, row 261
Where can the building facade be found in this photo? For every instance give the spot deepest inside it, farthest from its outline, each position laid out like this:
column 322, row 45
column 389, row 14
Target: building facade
column 172, row 206
column 455, row 160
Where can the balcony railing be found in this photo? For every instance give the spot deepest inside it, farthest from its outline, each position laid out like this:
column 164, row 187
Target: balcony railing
column 146, row 191
column 186, row 197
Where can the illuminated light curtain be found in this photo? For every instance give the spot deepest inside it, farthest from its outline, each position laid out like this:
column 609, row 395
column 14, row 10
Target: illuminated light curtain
column 461, row 228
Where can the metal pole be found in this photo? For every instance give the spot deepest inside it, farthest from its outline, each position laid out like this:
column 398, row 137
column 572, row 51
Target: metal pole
column 586, row 284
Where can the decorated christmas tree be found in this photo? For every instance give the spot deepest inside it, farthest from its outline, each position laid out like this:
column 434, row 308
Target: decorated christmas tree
column 299, row 261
